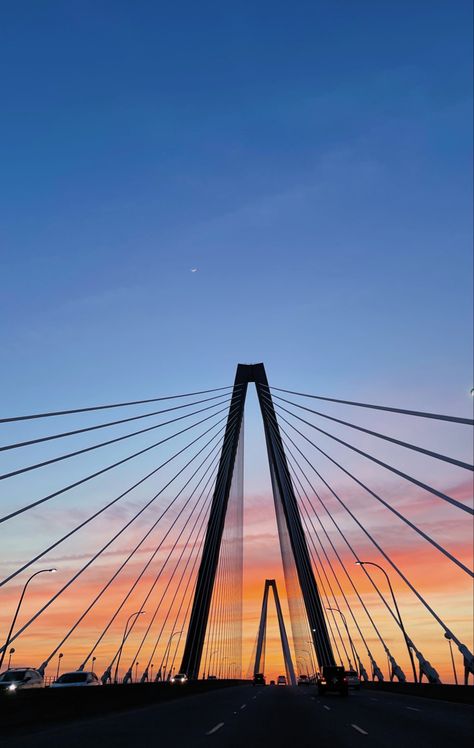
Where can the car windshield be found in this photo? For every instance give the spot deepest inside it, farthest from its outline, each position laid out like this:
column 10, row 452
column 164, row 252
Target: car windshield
column 180, row 675
column 12, row 675
column 72, row 678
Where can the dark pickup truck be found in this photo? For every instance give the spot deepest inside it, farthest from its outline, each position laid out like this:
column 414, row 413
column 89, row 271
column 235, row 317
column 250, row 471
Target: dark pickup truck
column 333, row 679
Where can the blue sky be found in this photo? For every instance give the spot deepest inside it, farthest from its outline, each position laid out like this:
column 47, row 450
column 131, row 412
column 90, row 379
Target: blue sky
column 312, row 161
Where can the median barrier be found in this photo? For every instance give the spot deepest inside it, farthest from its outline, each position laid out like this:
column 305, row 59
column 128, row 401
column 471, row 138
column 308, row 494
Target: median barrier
column 29, row 708
column 443, row 691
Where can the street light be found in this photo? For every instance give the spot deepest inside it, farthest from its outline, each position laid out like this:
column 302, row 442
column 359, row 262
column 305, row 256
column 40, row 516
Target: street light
column 313, row 666
column 164, row 661
column 336, row 610
column 136, row 670
column 60, row 656
column 410, row 653
column 309, row 654
column 209, row 663
column 12, row 651
column 125, row 634
column 93, row 660
column 448, row 637
column 41, row 571
column 220, row 665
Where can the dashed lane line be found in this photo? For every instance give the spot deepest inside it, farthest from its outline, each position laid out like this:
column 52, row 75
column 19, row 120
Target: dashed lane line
column 215, row 728
column 413, row 709
column 243, row 706
column 327, row 707
column 359, row 729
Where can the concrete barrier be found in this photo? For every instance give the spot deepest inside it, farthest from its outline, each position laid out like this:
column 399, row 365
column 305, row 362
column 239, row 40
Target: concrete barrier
column 445, row 692
column 34, row 707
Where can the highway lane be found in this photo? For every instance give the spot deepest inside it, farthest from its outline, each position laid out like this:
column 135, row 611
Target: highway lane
column 244, row 717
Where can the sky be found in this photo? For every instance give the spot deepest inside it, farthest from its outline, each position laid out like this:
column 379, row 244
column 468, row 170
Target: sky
column 311, row 161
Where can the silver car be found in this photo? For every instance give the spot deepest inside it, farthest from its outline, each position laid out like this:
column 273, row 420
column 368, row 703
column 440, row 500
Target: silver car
column 77, row 678
column 20, row 678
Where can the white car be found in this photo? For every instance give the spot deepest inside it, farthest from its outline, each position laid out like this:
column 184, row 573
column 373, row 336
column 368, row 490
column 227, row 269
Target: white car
column 20, row 678
column 77, row 678
column 179, row 678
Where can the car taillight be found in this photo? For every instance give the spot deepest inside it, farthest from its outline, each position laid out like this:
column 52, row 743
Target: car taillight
column 345, row 680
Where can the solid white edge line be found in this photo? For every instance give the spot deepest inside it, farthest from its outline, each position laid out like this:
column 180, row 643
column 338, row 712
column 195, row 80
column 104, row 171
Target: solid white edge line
column 359, row 729
column 215, row 728
column 413, row 708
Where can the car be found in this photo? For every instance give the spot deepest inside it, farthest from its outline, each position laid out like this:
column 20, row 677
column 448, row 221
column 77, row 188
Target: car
column 179, row 678
column 303, row 680
column 281, row 680
column 353, row 680
column 20, row 678
column 212, row 677
column 272, row 682
column 78, row 678
column 258, row 679
column 333, row 679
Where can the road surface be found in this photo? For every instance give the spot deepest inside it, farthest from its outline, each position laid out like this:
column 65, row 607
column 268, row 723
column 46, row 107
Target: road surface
column 271, row 716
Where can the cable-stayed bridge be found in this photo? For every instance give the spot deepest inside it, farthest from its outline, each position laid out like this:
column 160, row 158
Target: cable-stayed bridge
column 150, row 580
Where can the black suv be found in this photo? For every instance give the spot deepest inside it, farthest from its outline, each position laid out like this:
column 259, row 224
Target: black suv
column 258, row 679
column 333, row 679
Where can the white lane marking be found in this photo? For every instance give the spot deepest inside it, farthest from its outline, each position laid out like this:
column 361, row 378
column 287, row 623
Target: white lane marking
column 327, row 707
column 215, row 728
column 413, row 709
column 359, row 729
column 243, row 706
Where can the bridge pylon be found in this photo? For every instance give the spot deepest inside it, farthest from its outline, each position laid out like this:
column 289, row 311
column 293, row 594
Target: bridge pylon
column 270, row 584
column 285, row 503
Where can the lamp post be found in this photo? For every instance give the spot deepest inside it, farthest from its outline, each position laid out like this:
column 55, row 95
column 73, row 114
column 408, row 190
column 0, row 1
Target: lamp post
column 12, row 651
column 410, row 653
column 452, row 658
column 306, row 664
column 336, row 610
column 220, row 665
column 151, row 673
column 15, row 616
column 313, row 665
column 60, row 657
column 125, row 634
column 93, row 660
column 136, row 670
column 209, row 663
column 167, row 650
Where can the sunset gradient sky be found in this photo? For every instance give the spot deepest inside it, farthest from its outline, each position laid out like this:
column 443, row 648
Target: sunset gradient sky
column 313, row 162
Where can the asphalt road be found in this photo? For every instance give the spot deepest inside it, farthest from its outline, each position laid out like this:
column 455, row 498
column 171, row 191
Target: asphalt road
column 244, row 717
